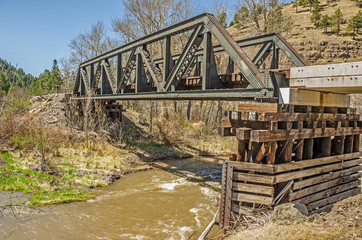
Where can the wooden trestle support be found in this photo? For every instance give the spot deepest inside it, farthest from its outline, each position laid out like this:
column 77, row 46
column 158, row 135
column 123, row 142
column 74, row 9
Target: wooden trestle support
column 290, row 153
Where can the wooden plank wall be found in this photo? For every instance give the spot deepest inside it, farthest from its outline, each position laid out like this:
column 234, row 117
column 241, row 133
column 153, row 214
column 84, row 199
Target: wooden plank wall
column 290, row 153
column 317, row 183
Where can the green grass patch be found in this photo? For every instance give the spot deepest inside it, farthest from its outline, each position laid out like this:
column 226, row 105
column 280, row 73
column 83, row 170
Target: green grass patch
column 17, row 177
column 62, row 196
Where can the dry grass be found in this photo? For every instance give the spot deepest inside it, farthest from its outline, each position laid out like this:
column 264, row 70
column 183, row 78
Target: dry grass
column 343, row 222
column 306, row 38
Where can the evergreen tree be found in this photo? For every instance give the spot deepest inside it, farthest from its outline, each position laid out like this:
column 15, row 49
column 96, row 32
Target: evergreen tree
column 303, row 2
column 337, row 19
column 355, row 24
column 48, row 81
column 55, row 66
column 4, row 84
column 312, row 3
column 316, row 14
column 14, row 76
column 241, row 17
column 222, row 18
column 325, row 22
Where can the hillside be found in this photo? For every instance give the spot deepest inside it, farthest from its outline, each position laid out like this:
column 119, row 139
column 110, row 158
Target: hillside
column 10, row 75
column 311, row 42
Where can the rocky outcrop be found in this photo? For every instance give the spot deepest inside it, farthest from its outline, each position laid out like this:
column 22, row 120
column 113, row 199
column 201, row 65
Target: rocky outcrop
column 329, row 51
column 290, row 212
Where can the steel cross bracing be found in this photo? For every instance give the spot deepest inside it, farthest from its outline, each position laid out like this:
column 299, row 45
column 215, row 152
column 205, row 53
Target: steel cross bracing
column 192, row 74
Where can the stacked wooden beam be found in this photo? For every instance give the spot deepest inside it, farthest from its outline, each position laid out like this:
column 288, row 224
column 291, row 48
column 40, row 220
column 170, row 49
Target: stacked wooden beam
column 290, row 153
column 317, row 183
column 278, row 133
column 114, row 110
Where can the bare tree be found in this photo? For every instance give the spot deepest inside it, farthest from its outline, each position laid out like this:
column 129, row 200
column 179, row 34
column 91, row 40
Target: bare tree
column 266, row 14
column 143, row 17
column 90, row 44
column 219, row 7
column 67, row 70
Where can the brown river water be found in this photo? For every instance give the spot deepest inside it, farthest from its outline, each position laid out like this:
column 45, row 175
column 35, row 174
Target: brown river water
column 177, row 202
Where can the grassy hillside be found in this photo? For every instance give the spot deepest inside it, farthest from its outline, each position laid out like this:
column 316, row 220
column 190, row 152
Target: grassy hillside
column 316, row 46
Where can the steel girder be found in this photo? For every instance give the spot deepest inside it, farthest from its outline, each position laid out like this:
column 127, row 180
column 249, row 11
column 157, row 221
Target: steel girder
column 149, row 78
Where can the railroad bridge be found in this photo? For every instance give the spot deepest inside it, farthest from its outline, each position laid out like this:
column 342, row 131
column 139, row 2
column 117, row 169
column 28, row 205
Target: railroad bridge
column 298, row 136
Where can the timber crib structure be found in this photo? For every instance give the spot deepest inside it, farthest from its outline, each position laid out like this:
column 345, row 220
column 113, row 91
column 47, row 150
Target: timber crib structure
column 290, row 153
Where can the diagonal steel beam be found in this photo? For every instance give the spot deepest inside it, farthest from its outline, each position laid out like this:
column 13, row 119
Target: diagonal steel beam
column 249, row 70
column 77, row 82
column 84, row 77
column 297, row 59
column 262, row 54
column 154, row 71
column 97, row 76
column 127, row 71
column 110, row 75
column 185, row 60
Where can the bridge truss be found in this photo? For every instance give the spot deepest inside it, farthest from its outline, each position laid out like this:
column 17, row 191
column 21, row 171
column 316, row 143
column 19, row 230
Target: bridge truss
column 131, row 72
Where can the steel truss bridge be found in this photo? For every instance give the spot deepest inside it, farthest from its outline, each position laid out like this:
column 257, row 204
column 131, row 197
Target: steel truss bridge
column 193, row 73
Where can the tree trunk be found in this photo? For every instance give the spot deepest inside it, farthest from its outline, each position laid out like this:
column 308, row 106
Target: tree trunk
column 188, row 112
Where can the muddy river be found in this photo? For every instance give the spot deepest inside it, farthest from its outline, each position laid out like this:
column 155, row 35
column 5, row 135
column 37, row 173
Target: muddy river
column 174, row 202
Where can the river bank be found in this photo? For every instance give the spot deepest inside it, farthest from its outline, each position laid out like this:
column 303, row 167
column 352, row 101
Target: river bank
column 175, row 202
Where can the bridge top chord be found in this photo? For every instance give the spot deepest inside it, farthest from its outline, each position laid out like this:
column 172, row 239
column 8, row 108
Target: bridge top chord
column 132, row 72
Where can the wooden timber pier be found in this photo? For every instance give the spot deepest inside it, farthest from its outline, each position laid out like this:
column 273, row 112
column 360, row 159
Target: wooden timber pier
column 290, row 153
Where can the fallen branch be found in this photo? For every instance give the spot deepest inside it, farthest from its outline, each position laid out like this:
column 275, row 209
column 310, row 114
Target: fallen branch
column 283, row 192
column 207, row 230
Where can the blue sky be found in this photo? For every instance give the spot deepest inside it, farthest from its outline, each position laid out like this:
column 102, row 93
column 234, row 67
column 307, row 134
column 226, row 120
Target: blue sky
column 34, row 32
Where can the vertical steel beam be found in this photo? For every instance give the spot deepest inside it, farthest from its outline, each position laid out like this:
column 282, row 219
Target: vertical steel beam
column 206, row 60
column 82, row 86
column 119, row 69
column 166, row 58
column 77, row 82
column 275, row 60
column 197, row 66
column 231, row 66
column 91, row 76
column 274, row 65
column 138, row 72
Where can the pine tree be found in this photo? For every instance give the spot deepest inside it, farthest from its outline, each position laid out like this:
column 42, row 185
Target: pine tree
column 4, row 83
column 316, row 14
column 55, row 65
column 355, row 24
column 325, row 22
column 312, row 3
column 241, row 16
column 303, row 2
column 222, row 18
column 337, row 19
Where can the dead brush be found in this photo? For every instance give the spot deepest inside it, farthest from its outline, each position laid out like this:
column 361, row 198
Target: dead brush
column 169, row 131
